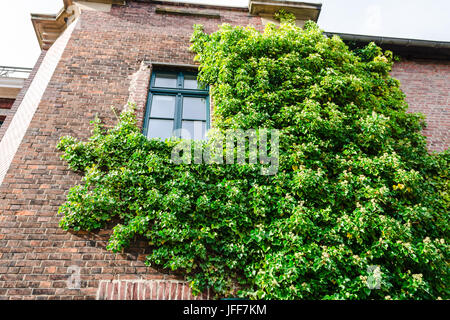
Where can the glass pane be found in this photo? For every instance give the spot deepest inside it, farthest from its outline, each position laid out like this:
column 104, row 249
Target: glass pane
column 162, row 106
column 158, row 128
column 194, row 108
column 190, row 82
column 166, row 80
column 193, row 130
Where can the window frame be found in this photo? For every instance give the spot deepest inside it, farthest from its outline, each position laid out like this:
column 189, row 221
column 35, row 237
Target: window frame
column 179, row 92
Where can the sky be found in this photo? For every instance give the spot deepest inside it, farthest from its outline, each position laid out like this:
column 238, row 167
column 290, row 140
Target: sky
column 415, row 19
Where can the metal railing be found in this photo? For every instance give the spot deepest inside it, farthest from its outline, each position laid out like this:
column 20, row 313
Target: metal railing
column 6, row 71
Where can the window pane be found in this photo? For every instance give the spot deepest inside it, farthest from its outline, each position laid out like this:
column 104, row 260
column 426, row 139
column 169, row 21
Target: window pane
column 190, row 82
column 193, row 130
column 194, row 108
column 163, row 106
column 166, row 80
column 158, row 128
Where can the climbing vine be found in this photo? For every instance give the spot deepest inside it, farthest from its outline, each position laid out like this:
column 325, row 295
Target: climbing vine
column 355, row 191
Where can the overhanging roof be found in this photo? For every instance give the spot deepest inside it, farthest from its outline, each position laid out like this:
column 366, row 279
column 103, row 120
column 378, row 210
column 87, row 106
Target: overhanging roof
column 413, row 48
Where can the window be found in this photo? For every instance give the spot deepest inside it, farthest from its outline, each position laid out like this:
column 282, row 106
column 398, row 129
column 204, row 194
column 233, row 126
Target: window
column 176, row 106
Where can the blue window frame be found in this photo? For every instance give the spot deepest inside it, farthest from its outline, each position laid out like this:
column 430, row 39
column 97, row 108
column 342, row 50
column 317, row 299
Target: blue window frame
column 176, row 107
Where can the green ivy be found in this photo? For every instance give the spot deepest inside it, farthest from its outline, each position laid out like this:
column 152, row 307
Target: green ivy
column 356, row 186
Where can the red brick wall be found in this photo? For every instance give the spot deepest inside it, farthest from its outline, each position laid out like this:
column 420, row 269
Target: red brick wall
column 426, row 84
column 102, row 66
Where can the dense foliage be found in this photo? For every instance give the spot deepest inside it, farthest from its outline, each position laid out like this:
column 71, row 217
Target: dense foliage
column 356, row 186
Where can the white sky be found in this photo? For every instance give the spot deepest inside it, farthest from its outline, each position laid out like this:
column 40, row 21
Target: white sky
column 418, row 19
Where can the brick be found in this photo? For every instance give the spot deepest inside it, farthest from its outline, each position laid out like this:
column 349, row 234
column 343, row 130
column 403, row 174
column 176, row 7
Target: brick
column 102, row 290
column 43, row 291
